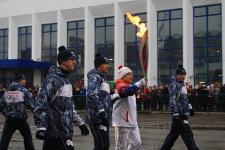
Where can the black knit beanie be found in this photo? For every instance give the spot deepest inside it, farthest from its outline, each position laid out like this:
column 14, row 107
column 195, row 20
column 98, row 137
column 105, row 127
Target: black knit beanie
column 64, row 55
column 19, row 77
column 99, row 60
column 181, row 70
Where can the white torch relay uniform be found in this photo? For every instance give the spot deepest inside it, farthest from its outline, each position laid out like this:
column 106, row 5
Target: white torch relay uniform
column 124, row 116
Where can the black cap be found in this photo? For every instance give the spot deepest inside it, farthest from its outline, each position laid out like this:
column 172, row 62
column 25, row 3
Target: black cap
column 19, row 77
column 181, row 70
column 99, row 60
column 64, row 54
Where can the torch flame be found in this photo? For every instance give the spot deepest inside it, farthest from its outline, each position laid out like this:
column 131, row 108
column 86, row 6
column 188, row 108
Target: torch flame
column 136, row 21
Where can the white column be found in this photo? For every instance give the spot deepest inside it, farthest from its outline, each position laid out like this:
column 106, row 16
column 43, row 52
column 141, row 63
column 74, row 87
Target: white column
column 119, row 39
column 61, row 29
column 152, row 42
column 89, row 52
column 13, row 39
column 188, row 50
column 36, row 38
column 36, row 47
column 223, row 39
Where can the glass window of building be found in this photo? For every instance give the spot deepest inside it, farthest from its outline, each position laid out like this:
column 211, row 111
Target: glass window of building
column 170, row 43
column 24, row 42
column 49, row 43
column 207, row 44
column 3, row 44
column 75, row 42
column 104, row 41
column 132, row 44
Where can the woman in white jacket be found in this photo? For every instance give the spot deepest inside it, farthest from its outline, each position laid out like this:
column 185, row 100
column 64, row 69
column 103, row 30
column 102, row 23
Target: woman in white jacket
column 124, row 117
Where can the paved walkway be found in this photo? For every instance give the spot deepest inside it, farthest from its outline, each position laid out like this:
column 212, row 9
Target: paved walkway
column 209, row 132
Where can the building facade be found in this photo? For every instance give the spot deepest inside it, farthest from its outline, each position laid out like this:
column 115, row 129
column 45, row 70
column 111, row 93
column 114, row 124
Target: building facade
column 188, row 32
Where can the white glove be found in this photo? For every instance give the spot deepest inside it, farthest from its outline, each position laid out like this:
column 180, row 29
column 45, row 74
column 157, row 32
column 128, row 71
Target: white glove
column 115, row 97
column 40, row 133
column 141, row 83
column 190, row 106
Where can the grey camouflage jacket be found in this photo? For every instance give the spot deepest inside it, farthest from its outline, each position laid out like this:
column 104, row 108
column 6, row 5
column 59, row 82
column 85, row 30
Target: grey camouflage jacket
column 98, row 97
column 14, row 102
column 178, row 98
column 54, row 109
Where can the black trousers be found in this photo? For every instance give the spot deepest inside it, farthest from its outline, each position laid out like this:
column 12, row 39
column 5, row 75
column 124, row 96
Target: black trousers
column 10, row 126
column 178, row 127
column 56, row 144
column 101, row 136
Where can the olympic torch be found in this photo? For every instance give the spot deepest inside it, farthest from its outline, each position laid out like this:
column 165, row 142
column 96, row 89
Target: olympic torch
column 143, row 34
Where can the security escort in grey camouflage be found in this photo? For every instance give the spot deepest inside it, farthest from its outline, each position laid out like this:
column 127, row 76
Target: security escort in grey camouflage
column 99, row 103
column 55, row 107
column 180, row 111
column 13, row 105
column 98, row 97
column 55, row 112
column 178, row 98
column 14, row 101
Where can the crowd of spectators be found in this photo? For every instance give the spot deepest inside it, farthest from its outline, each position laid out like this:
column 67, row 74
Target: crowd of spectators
column 202, row 97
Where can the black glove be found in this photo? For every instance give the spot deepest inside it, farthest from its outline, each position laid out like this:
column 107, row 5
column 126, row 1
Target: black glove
column 192, row 112
column 3, row 112
column 40, row 134
column 104, row 119
column 84, row 130
column 69, row 148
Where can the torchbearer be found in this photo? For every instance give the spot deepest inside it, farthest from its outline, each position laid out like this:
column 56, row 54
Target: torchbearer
column 124, row 116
